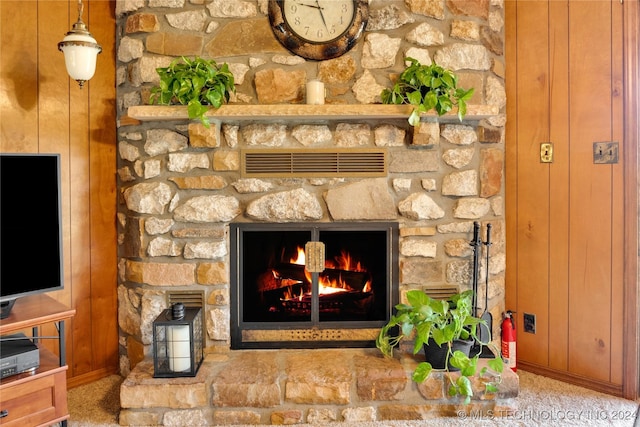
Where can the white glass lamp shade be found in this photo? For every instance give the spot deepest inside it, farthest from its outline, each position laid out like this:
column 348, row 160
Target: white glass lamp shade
column 80, row 54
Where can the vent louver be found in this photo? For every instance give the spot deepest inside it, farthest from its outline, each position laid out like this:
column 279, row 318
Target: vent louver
column 317, row 163
column 188, row 298
column 442, row 292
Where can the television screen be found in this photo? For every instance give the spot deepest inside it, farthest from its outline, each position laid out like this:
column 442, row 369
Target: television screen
column 30, row 226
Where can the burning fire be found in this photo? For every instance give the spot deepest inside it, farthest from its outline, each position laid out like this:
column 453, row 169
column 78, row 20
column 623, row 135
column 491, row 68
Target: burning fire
column 288, row 295
column 327, row 285
column 344, row 262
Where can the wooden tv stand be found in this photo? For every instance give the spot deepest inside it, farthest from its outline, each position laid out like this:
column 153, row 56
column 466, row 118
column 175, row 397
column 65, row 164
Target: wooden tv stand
column 37, row 398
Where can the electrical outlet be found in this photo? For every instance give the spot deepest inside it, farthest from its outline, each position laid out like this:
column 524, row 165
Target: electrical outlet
column 605, row 152
column 529, row 323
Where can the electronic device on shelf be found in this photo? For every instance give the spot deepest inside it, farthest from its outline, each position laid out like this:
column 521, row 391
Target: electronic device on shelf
column 30, row 226
column 18, row 354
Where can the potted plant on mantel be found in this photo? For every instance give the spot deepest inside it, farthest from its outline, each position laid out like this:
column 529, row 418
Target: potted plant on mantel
column 427, row 87
column 446, row 328
column 196, row 83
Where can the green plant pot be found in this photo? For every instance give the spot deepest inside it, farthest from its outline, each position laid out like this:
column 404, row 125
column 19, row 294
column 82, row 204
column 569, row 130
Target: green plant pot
column 437, row 355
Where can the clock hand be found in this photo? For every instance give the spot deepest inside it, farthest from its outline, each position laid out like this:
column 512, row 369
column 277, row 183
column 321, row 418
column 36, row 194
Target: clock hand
column 310, row 5
column 322, row 15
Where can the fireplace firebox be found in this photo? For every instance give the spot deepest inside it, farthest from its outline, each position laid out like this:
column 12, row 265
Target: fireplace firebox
column 307, row 285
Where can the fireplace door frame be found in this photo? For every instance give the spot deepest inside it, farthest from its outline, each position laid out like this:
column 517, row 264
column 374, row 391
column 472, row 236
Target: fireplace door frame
column 313, row 333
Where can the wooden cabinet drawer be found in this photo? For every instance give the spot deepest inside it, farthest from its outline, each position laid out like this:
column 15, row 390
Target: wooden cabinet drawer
column 37, row 399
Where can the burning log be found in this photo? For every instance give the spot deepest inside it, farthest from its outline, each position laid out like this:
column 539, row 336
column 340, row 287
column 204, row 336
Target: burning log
column 355, row 280
column 291, row 274
column 342, row 302
column 268, row 281
column 291, row 271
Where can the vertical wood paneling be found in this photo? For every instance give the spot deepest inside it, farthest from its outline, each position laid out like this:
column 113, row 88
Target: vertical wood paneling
column 53, row 123
column 79, row 146
column 103, row 191
column 43, row 110
column 511, row 156
column 617, row 202
column 559, row 194
column 533, row 201
column 579, row 47
column 590, row 190
column 18, row 62
column 631, row 294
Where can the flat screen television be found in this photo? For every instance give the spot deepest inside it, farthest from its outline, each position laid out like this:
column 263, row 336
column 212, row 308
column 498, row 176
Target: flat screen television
column 31, row 257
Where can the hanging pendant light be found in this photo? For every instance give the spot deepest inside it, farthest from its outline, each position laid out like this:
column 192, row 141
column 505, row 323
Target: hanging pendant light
column 80, row 50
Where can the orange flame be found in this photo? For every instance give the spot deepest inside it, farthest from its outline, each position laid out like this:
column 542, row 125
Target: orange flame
column 288, row 295
column 344, row 261
column 300, row 259
column 327, row 286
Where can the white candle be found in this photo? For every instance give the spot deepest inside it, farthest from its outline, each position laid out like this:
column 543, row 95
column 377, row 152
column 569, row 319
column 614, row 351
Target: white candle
column 179, row 348
column 315, row 92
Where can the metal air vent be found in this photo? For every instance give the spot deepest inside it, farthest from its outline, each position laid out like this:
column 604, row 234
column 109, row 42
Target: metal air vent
column 349, row 162
column 188, row 298
column 442, row 292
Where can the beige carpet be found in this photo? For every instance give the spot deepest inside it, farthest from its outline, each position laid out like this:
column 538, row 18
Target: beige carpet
column 542, row 402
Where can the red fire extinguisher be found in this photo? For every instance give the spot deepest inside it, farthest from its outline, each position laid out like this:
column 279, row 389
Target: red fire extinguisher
column 509, row 340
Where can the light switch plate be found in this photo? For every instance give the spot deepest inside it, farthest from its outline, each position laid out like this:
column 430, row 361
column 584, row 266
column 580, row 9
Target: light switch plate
column 605, row 152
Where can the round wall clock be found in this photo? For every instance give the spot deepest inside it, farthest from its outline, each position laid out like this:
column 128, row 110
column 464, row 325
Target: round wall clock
column 318, row 29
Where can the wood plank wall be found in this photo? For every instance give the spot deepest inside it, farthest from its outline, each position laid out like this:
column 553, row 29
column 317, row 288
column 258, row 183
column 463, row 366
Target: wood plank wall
column 568, row 221
column 43, row 110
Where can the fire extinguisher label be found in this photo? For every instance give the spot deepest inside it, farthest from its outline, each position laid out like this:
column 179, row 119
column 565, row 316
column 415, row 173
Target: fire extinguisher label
column 509, row 353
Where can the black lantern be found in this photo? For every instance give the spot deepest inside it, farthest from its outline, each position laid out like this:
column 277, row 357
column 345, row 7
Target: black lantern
column 177, row 342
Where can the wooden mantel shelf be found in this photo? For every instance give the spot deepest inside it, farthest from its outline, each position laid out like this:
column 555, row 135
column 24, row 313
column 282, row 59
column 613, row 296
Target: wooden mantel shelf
column 261, row 112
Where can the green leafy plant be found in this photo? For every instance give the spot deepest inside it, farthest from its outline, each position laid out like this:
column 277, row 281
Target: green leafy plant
column 442, row 321
column 196, row 83
column 427, row 87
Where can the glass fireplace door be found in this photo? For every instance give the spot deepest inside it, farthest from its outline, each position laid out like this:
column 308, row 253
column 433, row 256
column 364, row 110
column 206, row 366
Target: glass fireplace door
column 311, row 277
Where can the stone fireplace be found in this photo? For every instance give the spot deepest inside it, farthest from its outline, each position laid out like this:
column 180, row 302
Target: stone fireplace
column 186, row 238
column 180, row 227
column 186, row 190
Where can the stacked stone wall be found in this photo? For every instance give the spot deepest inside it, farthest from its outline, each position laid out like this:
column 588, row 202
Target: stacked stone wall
column 181, row 185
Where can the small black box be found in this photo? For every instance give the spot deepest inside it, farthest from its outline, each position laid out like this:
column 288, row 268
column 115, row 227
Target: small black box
column 17, row 354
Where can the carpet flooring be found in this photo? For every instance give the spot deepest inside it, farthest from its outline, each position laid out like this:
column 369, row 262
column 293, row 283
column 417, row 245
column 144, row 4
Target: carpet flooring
column 542, row 402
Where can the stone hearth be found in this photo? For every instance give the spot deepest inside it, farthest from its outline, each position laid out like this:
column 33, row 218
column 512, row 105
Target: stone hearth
column 281, row 387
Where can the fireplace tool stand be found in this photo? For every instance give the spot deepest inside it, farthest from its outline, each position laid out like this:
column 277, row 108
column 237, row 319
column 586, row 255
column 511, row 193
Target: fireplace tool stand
column 484, row 330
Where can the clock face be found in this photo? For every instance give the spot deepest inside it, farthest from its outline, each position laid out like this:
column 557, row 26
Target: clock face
column 319, row 20
column 318, row 29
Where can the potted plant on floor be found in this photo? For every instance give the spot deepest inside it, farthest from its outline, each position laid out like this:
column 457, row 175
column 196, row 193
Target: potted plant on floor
column 427, row 87
column 446, row 326
column 196, row 83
